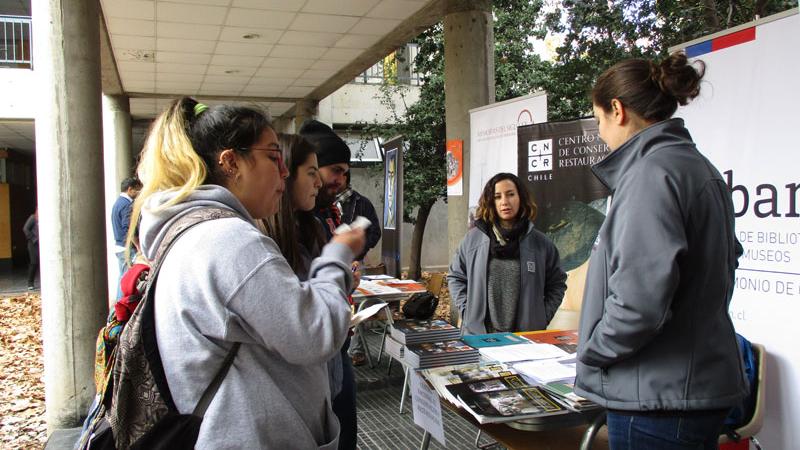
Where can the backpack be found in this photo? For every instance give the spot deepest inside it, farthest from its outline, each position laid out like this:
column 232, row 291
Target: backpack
column 741, row 413
column 134, row 407
column 420, row 306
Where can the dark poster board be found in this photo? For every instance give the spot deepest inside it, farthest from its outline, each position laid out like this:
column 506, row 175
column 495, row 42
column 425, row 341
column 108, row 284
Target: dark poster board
column 392, row 205
column 554, row 161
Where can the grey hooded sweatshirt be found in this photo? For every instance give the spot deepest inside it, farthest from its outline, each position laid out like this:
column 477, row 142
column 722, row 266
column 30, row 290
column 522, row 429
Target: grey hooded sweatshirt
column 655, row 333
column 223, row 282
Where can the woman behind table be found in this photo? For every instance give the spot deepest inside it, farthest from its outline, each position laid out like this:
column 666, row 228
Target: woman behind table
column 657, row 347
column 506, row 275
column 223, row 281
column 300, row 236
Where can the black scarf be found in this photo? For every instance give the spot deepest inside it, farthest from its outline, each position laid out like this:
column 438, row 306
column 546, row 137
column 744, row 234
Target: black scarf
column 507, row 245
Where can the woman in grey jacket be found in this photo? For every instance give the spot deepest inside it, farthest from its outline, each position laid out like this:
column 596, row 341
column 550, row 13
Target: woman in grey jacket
column 224, row 281
column 506, row 275
column 657, row 347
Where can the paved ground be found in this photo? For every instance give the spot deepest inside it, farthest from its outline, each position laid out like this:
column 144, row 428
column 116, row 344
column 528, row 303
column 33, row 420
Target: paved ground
column 381, row 426
column 15, row 281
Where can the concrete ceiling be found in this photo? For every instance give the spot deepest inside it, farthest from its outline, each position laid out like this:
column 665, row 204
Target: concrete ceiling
column 274, row 52
column 17, row 135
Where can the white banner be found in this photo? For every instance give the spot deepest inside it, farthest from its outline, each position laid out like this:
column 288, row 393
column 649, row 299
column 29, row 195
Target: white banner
column 744, row 122
column 493, row 138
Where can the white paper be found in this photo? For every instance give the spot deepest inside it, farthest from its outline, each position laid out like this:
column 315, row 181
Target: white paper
column 366, row 313
column 426, row 407
column 372, row 288
column 546, row 371
column 376, row 277
column 522, row 352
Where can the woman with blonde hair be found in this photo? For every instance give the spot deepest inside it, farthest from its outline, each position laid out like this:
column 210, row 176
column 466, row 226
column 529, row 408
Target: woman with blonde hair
column 506, row 275
column 225, row 282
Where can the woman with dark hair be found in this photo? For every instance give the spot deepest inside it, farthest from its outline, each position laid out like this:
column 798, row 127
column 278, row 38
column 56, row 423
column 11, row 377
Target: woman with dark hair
column 506, row 275
column 301, row 237
column 225, row 282
column 295, row 228
column 657, row 347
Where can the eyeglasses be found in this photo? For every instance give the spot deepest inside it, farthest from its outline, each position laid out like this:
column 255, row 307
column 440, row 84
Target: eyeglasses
column 276, row 151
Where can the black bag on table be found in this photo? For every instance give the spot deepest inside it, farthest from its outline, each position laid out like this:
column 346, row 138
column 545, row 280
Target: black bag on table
column 420, row 306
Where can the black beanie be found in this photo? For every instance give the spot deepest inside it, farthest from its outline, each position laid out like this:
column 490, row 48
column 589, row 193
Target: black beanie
column 331, row 149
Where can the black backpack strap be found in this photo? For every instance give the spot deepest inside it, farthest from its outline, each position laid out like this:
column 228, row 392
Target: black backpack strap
column 176, row 229
column 213, row 387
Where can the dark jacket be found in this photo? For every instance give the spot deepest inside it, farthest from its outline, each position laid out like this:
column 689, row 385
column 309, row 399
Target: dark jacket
column 31, row 230
column 542, row 283
column 655, row 333
column 121, row 218
column 358, row 205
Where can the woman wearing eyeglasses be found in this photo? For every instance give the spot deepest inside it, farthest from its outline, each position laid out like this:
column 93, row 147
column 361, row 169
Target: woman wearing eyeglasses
column 224, row 282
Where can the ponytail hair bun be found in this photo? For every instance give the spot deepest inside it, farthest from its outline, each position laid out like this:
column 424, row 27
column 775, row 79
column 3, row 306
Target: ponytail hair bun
column 677, row 78
column 651, row 90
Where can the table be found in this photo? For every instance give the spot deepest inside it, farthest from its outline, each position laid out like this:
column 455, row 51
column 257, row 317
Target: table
column 386, row 290
column 570, row 430
column 567, row 431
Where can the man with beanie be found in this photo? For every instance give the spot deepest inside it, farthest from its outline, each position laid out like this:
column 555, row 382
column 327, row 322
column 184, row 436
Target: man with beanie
column 333, row 159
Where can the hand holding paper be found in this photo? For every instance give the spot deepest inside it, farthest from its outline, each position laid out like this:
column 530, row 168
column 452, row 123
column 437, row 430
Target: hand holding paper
column 366, row 313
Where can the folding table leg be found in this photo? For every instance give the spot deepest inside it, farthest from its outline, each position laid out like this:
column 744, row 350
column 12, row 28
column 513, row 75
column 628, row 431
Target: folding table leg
column 363, row 337
column 426, row 441
column 383, row 344
column 591, row 432
column 404, row 395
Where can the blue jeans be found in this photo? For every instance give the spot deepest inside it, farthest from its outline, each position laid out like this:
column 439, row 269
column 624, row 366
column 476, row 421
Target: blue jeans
column 123, row 265
column 694, row 431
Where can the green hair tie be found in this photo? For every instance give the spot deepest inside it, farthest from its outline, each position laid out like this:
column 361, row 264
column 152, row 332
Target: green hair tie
column 199, row 108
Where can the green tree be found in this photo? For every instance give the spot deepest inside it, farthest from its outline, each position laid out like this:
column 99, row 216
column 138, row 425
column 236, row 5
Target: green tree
column 423, row 123
column 600, row 34
column 596, row 35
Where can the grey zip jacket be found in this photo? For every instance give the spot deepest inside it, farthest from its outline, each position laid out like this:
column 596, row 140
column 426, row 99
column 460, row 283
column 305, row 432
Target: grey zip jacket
column 655, row 333
column 224, row 281
column 541, row 287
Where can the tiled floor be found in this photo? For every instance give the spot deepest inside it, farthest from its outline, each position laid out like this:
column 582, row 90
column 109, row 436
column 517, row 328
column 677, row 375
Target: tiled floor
column 14, row 280
column 381, row 426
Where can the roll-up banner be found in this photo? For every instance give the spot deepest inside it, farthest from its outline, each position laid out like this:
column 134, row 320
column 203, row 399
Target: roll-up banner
column 392, row 205
column 554, row 159
column 493, row 138
column 745, row 121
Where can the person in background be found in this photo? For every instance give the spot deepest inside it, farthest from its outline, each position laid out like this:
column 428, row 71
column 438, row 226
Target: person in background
column 506, row 275
column 224, row 281
column 333, row 157
column 352, row 204
column 31, row 230
column 296, row 230
column 656, row 346
column 120, row 221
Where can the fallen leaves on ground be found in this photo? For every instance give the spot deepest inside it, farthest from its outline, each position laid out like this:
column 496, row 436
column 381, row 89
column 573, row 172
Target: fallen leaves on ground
column 22, row 424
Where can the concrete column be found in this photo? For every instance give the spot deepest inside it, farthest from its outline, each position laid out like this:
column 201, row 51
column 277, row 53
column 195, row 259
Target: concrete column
column 469, row 83
column 304, row 110
column 118, row 161
column 71, row 212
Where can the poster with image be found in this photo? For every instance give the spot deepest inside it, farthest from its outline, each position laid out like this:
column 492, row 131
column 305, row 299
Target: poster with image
column 554, row 160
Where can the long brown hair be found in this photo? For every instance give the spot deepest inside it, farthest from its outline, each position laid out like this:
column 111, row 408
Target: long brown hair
column 651, row 90
column 486, row 209
column 288, row 227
